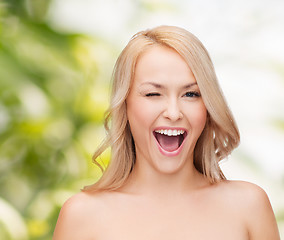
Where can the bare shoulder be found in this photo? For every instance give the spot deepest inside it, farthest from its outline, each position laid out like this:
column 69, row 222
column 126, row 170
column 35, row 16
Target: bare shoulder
column 245, row 196
column 243, row 189
column 253, row 205
column 239, row 194
column 75, row 217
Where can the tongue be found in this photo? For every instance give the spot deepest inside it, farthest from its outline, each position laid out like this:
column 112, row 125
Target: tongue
column 168, row 143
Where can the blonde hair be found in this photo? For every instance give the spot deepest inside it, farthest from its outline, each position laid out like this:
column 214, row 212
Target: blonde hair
column 220, row 135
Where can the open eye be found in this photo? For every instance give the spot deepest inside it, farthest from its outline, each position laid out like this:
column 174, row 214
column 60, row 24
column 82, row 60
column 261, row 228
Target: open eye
column 192, row 94
column 152, row 94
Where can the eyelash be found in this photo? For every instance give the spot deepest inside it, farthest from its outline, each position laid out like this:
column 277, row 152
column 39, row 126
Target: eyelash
column 193, row 94
column 153, row 94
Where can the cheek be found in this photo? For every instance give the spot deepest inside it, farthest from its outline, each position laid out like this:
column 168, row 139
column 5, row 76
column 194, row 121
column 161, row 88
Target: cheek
column 141, row 116
column 198, row 117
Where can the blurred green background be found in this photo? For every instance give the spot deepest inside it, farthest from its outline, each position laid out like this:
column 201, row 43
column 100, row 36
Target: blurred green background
column 53, row 94
column 54, row 89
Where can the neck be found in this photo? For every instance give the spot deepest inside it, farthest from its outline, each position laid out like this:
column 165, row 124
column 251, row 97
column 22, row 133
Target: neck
column 159, row 184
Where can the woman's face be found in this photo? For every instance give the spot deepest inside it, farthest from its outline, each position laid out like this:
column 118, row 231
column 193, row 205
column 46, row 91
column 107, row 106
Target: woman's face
column 165, row 111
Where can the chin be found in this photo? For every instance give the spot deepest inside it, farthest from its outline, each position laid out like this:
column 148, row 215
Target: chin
column 170, row 165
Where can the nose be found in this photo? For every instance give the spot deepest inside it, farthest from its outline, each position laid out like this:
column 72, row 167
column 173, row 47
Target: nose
column 173, row 111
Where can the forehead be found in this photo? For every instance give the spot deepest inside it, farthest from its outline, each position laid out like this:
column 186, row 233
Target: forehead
column 162, row 65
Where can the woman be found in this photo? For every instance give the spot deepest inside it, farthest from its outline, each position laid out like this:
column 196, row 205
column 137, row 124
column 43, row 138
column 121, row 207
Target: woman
column 168, row 127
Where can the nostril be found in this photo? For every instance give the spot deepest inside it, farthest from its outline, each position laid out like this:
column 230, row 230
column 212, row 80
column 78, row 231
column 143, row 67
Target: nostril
column 173, row 114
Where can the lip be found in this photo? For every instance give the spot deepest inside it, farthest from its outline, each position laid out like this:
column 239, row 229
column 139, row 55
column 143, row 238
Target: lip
column 173, row 153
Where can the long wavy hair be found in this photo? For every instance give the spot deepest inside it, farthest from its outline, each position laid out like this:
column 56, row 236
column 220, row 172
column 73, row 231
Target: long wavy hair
column 220, row 135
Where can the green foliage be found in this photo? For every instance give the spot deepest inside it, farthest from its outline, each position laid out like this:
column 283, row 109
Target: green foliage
column 50, row 116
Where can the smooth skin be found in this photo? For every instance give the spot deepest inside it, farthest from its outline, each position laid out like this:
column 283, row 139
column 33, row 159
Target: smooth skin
column 165, row 197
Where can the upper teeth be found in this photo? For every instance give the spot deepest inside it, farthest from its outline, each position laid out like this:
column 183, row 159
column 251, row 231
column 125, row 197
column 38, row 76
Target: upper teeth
column 170, row 132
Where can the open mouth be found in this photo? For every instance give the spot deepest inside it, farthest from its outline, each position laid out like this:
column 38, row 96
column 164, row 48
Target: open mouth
column 170, row 140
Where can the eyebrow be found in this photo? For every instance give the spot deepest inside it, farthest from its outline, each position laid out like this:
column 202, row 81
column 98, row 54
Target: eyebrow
column 157, row 85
